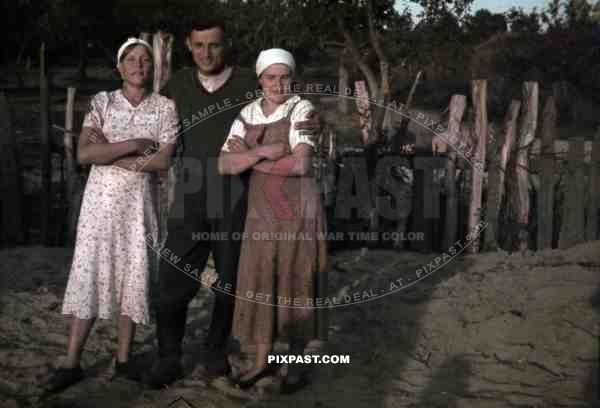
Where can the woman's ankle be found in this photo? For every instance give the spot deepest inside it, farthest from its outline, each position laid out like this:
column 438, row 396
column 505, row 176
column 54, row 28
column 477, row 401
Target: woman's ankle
column 122, row 360
column 71, row 363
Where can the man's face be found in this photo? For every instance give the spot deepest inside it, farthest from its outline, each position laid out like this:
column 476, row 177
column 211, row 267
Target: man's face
column 208, row 50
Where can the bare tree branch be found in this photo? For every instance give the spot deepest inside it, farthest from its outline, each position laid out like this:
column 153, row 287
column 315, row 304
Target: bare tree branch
column 358, row 58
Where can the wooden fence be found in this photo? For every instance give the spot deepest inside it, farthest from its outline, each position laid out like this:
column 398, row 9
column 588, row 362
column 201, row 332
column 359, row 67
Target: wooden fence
column 531, row 190
column 536, row 192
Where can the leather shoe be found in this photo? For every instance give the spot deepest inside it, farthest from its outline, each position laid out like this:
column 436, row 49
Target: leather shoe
column 164, row 372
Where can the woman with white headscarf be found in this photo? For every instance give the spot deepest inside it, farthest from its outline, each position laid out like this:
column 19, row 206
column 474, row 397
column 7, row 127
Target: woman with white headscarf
column 127, row 135
column 282, row 252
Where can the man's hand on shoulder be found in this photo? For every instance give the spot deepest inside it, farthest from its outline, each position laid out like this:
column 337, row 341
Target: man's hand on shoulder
column 313, row 123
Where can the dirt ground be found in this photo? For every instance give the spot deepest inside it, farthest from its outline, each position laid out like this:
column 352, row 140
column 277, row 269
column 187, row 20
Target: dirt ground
column 487, row 330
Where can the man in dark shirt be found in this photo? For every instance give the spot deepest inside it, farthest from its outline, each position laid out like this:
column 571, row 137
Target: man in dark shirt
column 208, row 211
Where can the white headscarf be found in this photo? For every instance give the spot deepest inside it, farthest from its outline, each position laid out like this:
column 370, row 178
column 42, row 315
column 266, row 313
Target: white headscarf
column 131, row 41
column 274, row 56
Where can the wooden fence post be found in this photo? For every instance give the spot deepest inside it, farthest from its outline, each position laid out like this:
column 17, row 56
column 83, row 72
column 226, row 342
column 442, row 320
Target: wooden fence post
column 478, row 151
column 545, row 194
column 528, row 127
column 70, row 167
column 46, row 192
column 364, row 111
column 591, row 231
column 497, row 172
column 458, row 104
column 573, row 221
column 162, row 44
column 11, row 189
column 146, row 37
column 343, row 80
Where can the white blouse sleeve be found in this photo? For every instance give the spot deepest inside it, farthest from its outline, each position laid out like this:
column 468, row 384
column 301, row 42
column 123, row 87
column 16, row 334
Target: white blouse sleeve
column 300, row 113
column 94, row 118
column 237, row 129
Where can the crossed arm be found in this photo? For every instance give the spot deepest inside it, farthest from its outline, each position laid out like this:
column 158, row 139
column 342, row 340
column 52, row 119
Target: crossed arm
column 133, row 154
column 273, row 159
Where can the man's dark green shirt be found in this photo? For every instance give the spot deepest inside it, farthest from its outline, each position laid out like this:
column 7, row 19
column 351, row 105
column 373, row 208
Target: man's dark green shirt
column 205, row 119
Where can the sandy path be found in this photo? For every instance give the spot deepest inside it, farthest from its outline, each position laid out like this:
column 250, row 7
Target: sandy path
column 491, row 330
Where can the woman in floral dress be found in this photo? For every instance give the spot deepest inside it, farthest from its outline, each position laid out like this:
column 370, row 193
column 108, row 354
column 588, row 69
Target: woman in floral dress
column 282, row 252
column 127, row 136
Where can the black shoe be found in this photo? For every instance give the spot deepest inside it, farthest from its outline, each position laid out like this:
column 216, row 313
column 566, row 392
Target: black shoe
column 127, row 370
column 218, row 367
column 163, row 373
column 248, row 383
column 64, row 378
column 289, row 387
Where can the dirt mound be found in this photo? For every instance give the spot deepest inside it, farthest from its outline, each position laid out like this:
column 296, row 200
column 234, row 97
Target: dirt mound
column 487, row 330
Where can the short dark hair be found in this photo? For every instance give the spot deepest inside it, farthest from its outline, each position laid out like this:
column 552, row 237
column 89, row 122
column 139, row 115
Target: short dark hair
column 201, row 23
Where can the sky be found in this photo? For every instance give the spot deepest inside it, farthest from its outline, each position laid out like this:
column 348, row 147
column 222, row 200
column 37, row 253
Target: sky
column 497, row 6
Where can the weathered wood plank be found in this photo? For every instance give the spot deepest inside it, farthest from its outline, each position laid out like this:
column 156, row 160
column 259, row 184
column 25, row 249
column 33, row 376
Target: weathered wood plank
column 364, row 111
column 496, row 174
column 545, row 196
column 458, row 104
column 572, row 230
column 528, row 128
column 591, row 231
column 479, row 97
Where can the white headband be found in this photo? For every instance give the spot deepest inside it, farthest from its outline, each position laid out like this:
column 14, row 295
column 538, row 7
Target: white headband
column 131, row 41
column 274, row 56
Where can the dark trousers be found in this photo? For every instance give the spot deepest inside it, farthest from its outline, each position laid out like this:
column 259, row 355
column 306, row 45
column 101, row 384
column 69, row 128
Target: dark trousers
column 176, row 288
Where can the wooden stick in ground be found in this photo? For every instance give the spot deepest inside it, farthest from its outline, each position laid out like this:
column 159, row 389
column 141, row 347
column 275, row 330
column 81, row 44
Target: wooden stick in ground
column 458, row 104
column 364, row 111
column 343, row 80
column 146, row 37
column 528, row 128
column 46, row 201
column 479, row 96
column 496, row 174
column 396, row 148
column 572, row 230
column 162, row 44
column 591, row 231
column 11, row 189
column 70, row 167
column 545, row 196
column 404, row 121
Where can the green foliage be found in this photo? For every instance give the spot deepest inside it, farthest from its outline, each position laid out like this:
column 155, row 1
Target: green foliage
column 520, row 21
column 483, row 24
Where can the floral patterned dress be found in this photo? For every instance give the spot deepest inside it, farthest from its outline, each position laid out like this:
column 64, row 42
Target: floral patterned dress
column 112, row 263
